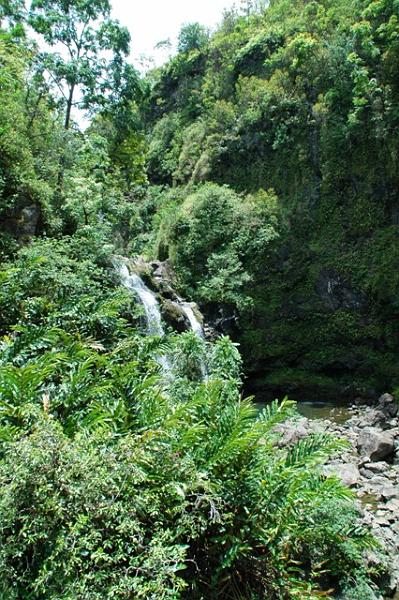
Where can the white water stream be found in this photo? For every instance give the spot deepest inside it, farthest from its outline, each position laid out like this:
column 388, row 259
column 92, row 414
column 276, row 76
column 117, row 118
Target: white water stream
column 133, row 282
column 194, row 322
column 196, row 328
column 153, row 315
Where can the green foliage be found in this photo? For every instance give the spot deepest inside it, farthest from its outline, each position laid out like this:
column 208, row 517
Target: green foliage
column 59, row 283
column 195, row 500
column 100, row 512
column 131, row 466
column 55, row 181
column 88, row 33
column 214, row 239
column 95, row 189
column 25, row 167
column 163, row 149
column 12, row 12
column 298, row 97
column 120, row 479
column 192, row 36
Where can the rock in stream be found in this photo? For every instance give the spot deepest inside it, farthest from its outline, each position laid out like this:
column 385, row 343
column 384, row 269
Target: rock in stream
column 370, row 467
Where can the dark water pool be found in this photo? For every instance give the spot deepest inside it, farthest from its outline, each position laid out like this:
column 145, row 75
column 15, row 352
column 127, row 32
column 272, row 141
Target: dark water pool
column 337, row 413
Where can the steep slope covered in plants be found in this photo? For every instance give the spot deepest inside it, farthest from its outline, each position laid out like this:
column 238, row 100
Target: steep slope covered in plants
column 296, row 104
column 119, row 480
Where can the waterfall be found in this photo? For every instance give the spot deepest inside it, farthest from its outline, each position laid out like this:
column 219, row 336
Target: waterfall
column 134, row 283
column 194, row 322
column 197, row 328
column 153, row 315
column 147, row 298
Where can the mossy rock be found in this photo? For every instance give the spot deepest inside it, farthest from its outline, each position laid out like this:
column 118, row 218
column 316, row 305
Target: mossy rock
column 174, row 315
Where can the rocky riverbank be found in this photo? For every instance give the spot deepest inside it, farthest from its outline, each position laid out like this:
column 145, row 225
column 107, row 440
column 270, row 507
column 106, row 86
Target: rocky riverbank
column 370, row 467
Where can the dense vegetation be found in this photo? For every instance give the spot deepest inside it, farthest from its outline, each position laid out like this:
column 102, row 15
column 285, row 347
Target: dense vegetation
column 296, row 105
column 261, row 161
column 119, row 482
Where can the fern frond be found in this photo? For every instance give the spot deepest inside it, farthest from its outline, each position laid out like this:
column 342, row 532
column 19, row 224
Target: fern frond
column 313, row 449
column 276, row 412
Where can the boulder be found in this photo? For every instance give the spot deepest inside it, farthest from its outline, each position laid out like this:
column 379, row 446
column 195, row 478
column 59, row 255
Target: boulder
column 366, row 473
column 164, row 277
column 389, row 492
column 377, row 445
column 378, row 467
column 174, row 315
column 292, row 431
column 388, row 405
column 393, row 505
column 371, row 418
column 348, row 473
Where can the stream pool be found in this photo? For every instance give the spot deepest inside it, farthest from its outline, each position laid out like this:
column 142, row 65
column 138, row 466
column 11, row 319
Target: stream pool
column 337, row 413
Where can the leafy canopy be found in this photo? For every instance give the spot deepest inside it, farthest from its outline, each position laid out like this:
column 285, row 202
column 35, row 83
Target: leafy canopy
column 89, row 51
column 192, row 36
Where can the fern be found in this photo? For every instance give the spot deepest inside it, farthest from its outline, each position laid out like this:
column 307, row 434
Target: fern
column 313, row 449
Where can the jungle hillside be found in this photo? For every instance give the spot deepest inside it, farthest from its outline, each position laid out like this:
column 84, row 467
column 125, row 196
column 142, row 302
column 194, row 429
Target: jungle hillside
column 216, row 233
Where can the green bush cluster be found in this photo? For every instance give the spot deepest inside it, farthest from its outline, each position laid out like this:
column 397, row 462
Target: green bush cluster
column 120, row 481
column 215, row 237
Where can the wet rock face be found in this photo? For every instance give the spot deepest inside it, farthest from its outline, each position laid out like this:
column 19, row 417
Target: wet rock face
column 337, row 293
column 161, row 279
column 370, row 467
column 25, row 222
column 174, row 315
column 164, row 278
column 222, row 319
column 29, row 220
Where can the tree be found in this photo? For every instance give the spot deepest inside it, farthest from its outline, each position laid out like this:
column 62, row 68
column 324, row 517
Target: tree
column 192, row 36
column 12, row 11
column 91, row 50
column 249, row 7
column 28, row 141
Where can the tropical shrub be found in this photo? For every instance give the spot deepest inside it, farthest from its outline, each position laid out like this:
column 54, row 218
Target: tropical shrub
column 122, row 479
column 216, row 239
column 196, row 501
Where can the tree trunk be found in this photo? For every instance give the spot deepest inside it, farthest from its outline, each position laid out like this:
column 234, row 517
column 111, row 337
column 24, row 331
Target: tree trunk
column 69, row 107
column 61, row 165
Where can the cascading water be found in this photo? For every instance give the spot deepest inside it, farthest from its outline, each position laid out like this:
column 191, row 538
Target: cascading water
column 133, row 282
column 194, row 322
column 196, row 328
column 153, row 315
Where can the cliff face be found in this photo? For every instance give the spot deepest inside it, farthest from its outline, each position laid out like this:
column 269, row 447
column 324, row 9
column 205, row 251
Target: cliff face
column 299, row 99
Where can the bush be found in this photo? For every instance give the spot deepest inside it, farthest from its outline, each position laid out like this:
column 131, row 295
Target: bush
column 119, row 479
column 196, row 499
column 216, row 238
